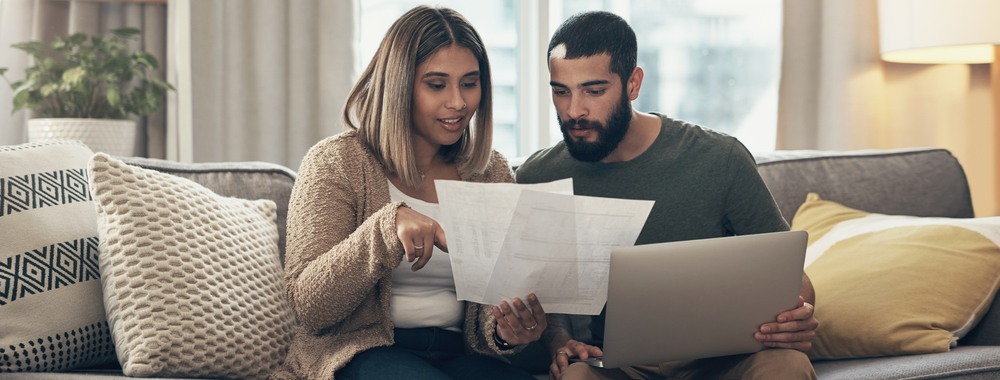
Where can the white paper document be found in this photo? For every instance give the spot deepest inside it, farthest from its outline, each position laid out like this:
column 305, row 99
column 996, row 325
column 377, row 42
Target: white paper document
column 509, row 240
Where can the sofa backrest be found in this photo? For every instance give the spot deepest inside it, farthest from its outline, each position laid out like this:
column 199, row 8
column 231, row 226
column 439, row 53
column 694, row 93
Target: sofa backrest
column 918, row 182
column 246, row 180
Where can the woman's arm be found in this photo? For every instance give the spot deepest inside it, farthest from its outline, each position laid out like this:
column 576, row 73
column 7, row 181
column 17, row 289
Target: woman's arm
column 334, row 263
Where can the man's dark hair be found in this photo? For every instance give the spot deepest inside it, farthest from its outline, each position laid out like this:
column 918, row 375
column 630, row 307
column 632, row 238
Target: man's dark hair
column 593, row 33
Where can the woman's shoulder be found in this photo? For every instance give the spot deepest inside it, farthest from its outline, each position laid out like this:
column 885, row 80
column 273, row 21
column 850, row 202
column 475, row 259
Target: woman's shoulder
column 342, row 145
column 498, row 169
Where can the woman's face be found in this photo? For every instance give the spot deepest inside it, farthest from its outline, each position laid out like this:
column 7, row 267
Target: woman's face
column 446, row 95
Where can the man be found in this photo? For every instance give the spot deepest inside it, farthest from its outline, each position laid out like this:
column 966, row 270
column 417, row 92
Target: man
column 705, row 184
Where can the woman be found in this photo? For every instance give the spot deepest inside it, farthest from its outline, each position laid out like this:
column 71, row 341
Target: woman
column 365, row 201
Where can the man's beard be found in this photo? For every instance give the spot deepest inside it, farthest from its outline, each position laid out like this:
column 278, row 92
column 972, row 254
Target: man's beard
column 609, row 134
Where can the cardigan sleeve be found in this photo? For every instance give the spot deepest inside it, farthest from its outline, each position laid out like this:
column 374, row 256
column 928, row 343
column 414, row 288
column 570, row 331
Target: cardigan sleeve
column 333, row 264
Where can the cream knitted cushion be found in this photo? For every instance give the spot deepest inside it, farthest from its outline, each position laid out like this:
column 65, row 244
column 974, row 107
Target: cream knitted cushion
column 51, row 315
column 192, row 281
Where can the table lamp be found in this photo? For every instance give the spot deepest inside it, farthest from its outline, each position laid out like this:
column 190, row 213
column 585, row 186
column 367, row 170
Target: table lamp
column 945, row 32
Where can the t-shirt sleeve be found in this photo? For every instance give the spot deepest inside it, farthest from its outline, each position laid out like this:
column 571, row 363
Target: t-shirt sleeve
column 750, row 207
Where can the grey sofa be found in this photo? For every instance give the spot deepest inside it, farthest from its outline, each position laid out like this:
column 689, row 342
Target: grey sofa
column 922, row 182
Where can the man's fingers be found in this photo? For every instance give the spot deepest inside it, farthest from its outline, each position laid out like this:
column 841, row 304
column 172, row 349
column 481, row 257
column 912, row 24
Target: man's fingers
column 804, row 311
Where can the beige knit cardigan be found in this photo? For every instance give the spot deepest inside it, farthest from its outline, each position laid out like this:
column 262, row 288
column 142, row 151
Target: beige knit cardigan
column 342, row 248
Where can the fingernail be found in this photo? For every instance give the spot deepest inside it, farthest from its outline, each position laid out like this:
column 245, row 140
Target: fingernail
column 765, row 329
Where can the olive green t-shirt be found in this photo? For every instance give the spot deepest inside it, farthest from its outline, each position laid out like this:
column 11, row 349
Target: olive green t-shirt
column 704, row 184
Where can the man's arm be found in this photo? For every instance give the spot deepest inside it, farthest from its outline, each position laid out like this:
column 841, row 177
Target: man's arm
column 807, row 292
column 558, row 339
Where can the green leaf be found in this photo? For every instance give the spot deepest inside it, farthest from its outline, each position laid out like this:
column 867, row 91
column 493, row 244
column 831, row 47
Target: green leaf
column 49, row 89
column 125, row 32
column 74, row 76
column 20, row 101
column 114, row 96
column 33, row 48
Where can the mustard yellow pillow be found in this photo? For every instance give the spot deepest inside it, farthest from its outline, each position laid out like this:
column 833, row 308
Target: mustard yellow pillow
column 890, row 285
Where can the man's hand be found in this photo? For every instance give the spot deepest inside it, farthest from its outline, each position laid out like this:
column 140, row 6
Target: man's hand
column 571, row 349
column 793, row 329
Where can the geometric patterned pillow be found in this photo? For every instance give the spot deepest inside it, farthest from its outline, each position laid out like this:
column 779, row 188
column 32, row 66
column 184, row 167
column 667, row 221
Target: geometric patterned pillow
column 51, row 311
column 192, row 281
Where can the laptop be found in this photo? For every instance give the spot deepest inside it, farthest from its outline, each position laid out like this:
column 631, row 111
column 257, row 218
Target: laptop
column 698, row 298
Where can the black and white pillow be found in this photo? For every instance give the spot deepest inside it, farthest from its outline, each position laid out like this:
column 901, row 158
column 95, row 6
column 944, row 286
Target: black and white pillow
column 51, row 312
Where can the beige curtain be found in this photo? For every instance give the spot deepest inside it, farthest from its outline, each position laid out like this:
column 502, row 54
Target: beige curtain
column 266, row 79
column 836, row 93
column 24, row 20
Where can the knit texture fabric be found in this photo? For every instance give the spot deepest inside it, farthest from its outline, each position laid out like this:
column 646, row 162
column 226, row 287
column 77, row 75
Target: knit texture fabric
column 192, row 280
column 342, row 248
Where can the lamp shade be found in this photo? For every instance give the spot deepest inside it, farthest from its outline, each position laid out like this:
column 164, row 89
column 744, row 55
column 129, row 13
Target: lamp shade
column 938, row 31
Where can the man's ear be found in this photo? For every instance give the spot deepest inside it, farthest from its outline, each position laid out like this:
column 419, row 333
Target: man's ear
column 634, row 83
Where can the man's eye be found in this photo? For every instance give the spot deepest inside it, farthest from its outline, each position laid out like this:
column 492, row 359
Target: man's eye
column 559, row 92
column 597, row 92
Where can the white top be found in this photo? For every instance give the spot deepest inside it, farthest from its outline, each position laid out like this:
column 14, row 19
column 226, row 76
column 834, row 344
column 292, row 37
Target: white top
column 425, row 298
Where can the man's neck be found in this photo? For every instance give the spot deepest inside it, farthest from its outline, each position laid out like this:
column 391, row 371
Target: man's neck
column 642, row 132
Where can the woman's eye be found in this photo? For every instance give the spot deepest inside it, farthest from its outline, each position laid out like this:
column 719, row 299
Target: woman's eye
column 436, row 86
column 470, row 84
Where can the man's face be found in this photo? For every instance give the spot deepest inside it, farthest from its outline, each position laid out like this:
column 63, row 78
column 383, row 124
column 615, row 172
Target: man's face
column 592, row 106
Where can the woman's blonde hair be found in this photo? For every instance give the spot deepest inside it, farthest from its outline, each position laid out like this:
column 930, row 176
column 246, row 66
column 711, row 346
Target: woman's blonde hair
column 382, row 100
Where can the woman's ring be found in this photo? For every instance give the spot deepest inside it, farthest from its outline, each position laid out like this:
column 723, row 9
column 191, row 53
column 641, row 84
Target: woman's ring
column 531, row 328
column 561, row 353
column 418, row 247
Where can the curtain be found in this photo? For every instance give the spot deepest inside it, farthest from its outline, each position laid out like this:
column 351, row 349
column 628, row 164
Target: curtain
column 262, row 79
column 42, row 20
column 837, row 94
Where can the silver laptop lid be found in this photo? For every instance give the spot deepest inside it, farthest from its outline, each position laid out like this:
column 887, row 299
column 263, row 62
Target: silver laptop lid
column 698, row 298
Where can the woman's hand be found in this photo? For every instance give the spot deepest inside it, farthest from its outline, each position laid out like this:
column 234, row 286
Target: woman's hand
column 418, row 234
column 520, row 323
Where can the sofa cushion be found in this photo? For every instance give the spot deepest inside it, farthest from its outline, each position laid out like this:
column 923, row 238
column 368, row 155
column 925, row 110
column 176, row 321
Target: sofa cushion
column 247, row 180
column 192, row 280
column 890, row 285
column 961, row 363
column 51, row 313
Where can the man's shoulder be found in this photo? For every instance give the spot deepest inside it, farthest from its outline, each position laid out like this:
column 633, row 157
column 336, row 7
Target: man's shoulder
column 543, row 164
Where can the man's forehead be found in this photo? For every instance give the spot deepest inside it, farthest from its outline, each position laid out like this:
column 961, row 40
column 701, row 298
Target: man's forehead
column 582, row 69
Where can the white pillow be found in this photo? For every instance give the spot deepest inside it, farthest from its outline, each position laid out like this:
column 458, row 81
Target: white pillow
column 192, row 281
column 51, row 315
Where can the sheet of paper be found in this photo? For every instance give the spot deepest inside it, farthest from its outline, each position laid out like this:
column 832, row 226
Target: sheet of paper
column 508, row 240
column 559, row 247
column 475, row 218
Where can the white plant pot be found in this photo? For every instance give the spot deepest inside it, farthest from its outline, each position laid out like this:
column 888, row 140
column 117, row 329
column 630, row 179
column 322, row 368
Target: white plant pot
column 114, row 137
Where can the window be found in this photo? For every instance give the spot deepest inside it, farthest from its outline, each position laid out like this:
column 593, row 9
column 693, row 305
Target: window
column 710, row 62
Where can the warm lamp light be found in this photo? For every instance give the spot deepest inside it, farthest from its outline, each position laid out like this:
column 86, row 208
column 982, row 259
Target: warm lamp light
column 946, row 31
column 938, row 31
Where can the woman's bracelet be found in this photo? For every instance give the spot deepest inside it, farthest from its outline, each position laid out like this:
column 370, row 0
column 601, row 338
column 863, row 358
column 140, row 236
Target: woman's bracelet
column 499, row 341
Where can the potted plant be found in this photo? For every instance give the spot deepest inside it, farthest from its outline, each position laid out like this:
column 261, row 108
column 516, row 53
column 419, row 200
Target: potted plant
column 86, row 87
